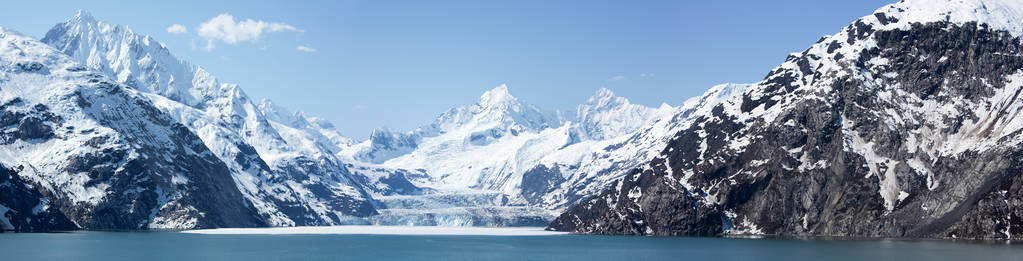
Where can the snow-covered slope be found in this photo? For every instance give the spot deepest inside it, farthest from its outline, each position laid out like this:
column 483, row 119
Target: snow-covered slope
column 564, row 177
column 310, row 135
column 383, row 145
column 904, row 124
column 285, row 168
column 104, row 155
column 497, row 114
column 496, row 111
column 499, row 161
column 503, row 155
column 605, row 116
column 1000, row 15
column 485, row 145
column 474, row 144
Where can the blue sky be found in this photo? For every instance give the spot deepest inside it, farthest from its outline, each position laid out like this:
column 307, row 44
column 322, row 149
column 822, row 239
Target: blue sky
column 401, row 63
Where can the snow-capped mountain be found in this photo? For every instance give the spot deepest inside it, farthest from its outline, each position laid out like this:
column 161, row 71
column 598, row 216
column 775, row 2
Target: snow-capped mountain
column 383, row 145
column 466, row 147
column 526, row 164
column 497, row 114
column 606, row 116
column 903, row 124
column 89, row 150
column 466, row 168
column 285, row 167
column 564, row 177
column 312, row 135
column 496, row 111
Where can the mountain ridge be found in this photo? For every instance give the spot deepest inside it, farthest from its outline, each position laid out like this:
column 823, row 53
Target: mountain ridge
column 310, row 186
column 905, row 123
column 901, row 125
column 102, row 154
column 304, row 160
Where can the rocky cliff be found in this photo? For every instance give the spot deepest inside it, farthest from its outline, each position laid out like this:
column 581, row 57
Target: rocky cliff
column 904, row 124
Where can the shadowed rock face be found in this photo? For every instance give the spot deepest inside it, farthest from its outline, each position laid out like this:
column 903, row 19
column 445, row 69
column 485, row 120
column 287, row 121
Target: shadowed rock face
column 911, row 136
column 539, row 181
column 288, row 175
column 81, row 151
column 25, row 209
column 139, row 174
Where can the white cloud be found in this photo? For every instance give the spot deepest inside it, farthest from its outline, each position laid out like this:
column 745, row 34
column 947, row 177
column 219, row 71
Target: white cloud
column 617, row 78
column 646, row 75
column 305, row 49
column 177, row 29
column 224, row 28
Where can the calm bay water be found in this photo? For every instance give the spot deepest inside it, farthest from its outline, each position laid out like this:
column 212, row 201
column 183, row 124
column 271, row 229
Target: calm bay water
column 85, row 246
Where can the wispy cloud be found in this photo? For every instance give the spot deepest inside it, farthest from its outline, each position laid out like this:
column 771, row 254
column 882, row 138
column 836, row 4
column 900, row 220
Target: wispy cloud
column 646, row 75
column 617, row 78
column 305, row 49
column 223, row 28
column 177, row 29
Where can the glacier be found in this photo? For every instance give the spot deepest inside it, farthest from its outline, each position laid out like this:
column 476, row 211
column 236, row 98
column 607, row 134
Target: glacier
column 497, row 162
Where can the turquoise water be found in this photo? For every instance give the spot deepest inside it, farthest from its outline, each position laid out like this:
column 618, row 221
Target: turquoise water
column 176, row 246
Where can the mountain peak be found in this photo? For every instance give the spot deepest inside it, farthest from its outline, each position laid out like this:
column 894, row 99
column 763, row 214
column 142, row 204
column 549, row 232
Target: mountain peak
column 269, row 108
column 83, row 16
column 265, row 102
column 136, row 60
column 496, row 106
column 275, row 112
column 496, row 97
column 605, row 115
column 606, row 98
column 380, row 132
column 603, row 92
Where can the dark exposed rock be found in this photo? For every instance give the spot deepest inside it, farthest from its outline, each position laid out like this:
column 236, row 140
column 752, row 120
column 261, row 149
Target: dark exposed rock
column 139, row 187
column 664, row 209
column 30, row 66
column 24, row 209
column 399, row 183
column 539, row 181
column 337, row 201
column 996, row 215
column 828, row 162
column 146, row 170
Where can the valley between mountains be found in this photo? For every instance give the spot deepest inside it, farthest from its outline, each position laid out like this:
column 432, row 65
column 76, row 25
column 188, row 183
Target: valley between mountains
column 903, row 124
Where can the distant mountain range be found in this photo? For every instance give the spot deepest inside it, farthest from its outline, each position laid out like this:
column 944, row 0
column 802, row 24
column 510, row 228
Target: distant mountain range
column 903, row 124
column 99, row 164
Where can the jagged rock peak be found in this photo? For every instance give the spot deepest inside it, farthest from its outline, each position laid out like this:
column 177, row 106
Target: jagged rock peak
column 275, row 112
column 268, row 105
column 134, row 59
column 83, row 16
column 381, row 132
column 499, row 96
column 606, row 98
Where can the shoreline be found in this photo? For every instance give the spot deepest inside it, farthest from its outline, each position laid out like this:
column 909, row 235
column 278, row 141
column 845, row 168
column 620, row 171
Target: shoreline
column 382, row 230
